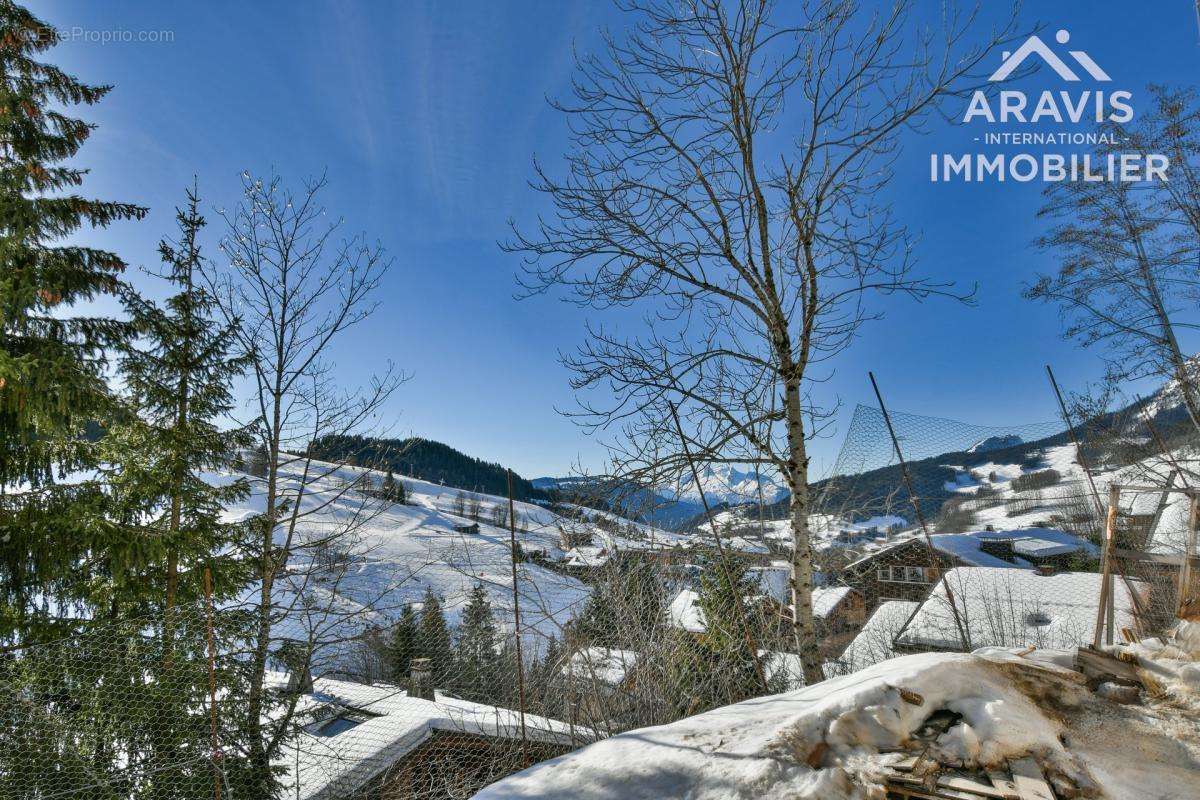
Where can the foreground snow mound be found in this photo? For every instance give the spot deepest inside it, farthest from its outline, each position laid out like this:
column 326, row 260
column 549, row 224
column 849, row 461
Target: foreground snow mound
column 834, row 740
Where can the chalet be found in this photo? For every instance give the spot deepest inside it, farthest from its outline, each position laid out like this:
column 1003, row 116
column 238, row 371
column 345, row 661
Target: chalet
column 1157, row 556
column 378, row 742
column 839, row 611
column 903, row 570
column 470, row 527
column 601, row 684
column 1003, row 607
column 581, row 562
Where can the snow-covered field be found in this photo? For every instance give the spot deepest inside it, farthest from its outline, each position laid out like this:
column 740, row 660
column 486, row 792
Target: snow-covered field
column 390, row 554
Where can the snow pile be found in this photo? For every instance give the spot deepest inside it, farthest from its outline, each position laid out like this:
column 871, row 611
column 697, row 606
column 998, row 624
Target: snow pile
column 834, row 740
column 1172, row 663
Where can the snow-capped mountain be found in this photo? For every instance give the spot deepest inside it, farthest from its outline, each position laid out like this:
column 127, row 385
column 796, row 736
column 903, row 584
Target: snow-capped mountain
column 671, row 506
column 725, row 483
column 995, row 443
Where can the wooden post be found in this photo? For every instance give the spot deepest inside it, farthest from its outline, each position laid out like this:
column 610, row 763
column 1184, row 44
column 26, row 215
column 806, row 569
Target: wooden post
column 1102, row 612
column 1183, row 608
column 512, row 533
column 212, row 684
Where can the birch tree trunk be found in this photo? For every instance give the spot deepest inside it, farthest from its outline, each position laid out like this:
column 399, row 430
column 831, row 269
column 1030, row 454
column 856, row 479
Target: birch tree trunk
column 752, row 251
column 804, row 626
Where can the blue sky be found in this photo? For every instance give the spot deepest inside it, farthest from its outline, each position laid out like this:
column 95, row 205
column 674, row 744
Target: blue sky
column 426, row 115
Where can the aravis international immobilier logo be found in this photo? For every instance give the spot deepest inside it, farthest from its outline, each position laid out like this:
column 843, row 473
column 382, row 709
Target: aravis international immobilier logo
column 1078, row 128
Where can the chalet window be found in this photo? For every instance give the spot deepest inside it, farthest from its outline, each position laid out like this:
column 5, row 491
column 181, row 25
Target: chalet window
column 905, row 574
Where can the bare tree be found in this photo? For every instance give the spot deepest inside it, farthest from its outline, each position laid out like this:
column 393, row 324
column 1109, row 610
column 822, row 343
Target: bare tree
column 295, row 289
column 726, row 170
column 1130, row 252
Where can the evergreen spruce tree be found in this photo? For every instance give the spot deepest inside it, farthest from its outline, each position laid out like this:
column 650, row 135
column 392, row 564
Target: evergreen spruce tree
column 625, row 609
column 478, row 676
column 393, row 490
column 403, row 645
column 433, row 641
column 716, row 667
column 178, row 378
column 177, row 375
column 545, row 679
column 259, row 463
column 52, row 362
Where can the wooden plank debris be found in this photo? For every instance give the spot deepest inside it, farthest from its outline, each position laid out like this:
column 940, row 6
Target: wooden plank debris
column 929, row 794
column 967, row 785
column 954, row 786
column 1031, row 784
column 1004, row 783
column 1099, row 665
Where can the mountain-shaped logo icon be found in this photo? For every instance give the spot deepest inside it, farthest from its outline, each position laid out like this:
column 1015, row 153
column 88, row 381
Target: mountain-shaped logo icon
column 1034, row 45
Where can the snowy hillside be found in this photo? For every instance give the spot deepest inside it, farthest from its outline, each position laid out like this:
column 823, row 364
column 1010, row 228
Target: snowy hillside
column 394, row 553
column 949, row 720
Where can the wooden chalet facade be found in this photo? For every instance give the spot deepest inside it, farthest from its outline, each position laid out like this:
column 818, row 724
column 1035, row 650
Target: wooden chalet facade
column 903, row 571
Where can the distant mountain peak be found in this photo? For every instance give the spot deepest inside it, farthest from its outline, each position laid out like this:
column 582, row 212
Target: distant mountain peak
column 725, row 483
column 996, row 443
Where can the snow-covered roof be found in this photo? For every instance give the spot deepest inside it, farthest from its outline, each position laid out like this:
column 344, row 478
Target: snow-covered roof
column 357, row 731
column 826, row 598
column 587, row 556
column 873, row 643
column 685, row 612
column 1040, row 548
column 967, row 547
column 1013, row 608
column 606, row 665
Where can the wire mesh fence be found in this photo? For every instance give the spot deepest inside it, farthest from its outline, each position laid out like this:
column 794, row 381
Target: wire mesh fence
column 1019, row 532
column 437, row 693
column 114, row 711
